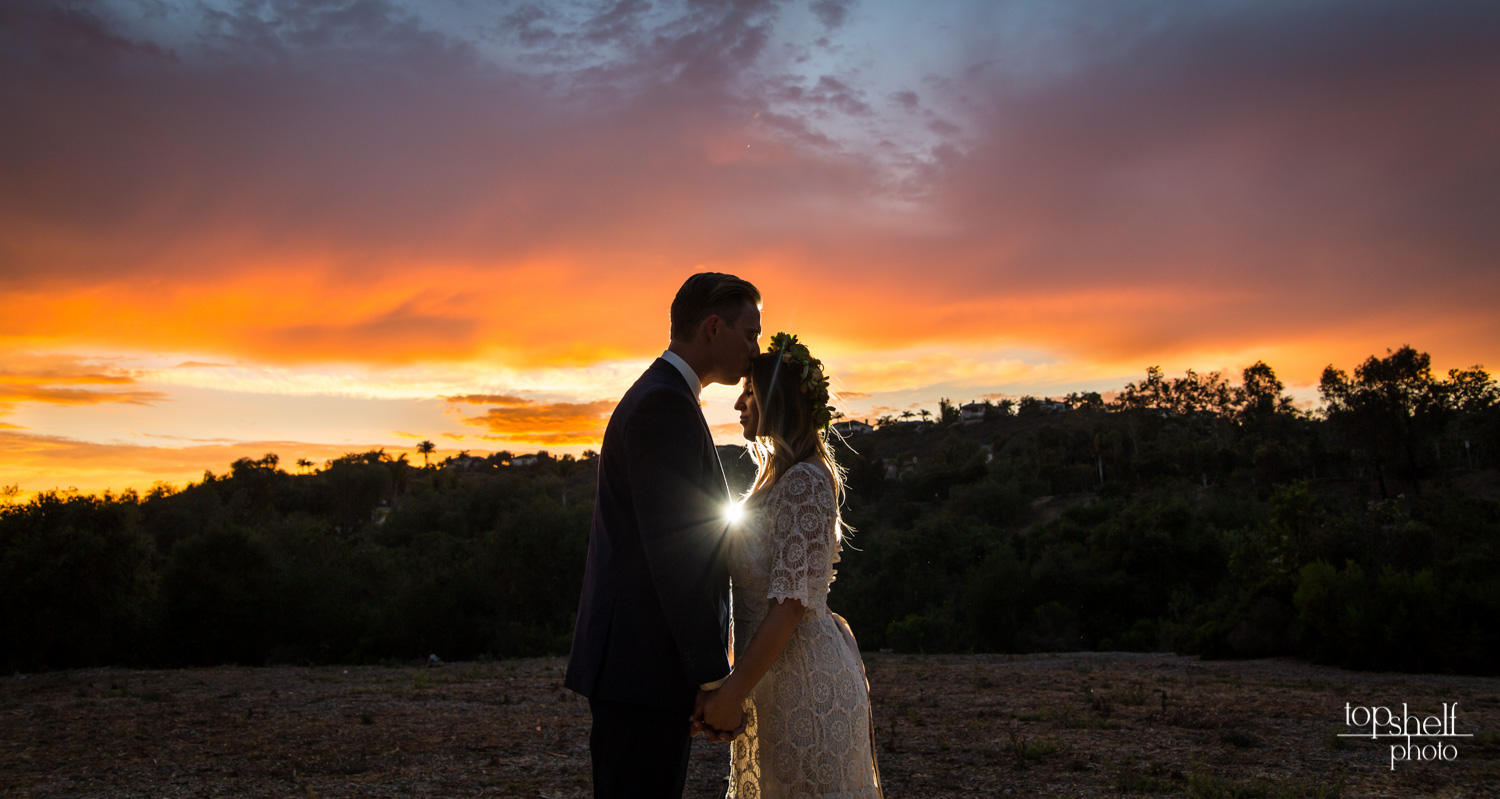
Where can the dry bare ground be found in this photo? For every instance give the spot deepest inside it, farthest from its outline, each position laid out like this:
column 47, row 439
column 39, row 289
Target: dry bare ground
column 1081, row 724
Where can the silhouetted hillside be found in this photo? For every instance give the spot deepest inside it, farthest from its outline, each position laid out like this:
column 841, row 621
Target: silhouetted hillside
column 1189, row 514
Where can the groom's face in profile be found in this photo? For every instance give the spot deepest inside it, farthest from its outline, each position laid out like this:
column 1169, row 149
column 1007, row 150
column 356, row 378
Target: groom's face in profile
column 735, row 344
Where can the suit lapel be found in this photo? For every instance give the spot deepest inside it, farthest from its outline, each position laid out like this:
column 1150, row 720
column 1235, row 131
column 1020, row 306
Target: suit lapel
column 671, row 373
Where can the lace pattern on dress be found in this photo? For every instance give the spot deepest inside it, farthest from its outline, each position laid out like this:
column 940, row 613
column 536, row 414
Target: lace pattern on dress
column 807, row 731
column 802, row 518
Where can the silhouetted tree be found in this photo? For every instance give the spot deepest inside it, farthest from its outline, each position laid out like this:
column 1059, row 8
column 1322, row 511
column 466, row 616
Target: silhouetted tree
column 947, row 412
column 1260, row 393
column 1387, row 406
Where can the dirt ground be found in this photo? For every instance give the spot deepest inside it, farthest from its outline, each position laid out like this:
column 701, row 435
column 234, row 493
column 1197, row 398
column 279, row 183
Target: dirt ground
column 1076, row 725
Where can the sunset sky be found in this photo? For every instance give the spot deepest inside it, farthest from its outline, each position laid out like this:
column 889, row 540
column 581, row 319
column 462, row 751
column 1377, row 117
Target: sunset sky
column 310, row 228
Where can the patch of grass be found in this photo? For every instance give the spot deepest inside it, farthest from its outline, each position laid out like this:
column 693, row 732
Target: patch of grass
column 350, row 767
column 1240, row 739
column 1487, row 771
column 1073, row 721
column 1188, row 719
column 1293, row 789
column 1023, row 750
column 1099, row 702
column 1030, row 717
column 1135, row 782
column 1131, row 777
column 1202, row 785
column 367, row 718
column 1334, row 739
column 1134, row 696
column 1038, row 749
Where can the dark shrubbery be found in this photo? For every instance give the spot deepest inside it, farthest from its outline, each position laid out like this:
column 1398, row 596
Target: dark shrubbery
column 365, row 560
column 1187, row 515
column 1195, row 516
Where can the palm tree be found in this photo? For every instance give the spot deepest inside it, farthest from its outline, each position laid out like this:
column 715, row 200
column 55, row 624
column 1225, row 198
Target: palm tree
column 907, row 414
column 426, row 448
column 304, row 464
column 925, row 413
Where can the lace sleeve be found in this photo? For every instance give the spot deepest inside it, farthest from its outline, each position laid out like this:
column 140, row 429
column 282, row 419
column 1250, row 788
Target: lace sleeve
column 802, row 537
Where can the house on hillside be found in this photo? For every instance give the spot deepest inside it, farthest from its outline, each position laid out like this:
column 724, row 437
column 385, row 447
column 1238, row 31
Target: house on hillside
column 971, row 412
column 1053, row 406
column 853, row 427
column 523, row 460
column 464, row 462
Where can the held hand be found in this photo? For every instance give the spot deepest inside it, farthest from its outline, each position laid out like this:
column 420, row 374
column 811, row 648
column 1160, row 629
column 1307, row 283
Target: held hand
column 724, row 715
column 697, row 725
column 695, row 721
column 736, row 732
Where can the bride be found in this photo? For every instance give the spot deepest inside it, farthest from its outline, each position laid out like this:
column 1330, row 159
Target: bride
column 797, row 678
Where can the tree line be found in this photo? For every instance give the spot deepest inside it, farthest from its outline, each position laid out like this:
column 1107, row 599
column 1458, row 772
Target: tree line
column 1194, row 515
column 1187, row 514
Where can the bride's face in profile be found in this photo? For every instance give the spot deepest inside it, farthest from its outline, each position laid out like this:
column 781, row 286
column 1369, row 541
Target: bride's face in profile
column 749, row 411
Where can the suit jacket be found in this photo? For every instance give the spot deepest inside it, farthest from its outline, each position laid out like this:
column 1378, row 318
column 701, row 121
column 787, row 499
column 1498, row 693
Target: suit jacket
column 653, row 620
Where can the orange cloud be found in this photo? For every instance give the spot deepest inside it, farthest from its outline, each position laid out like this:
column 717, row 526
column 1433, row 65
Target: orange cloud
column 40, row 463
column 66, row 381
column 523, row 421
column 728, row 433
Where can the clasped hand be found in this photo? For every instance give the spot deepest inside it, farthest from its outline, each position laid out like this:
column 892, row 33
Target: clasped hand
column 717, row 717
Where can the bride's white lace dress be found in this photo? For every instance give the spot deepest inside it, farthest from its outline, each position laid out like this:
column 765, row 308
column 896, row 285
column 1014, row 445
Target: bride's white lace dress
column 807, row 723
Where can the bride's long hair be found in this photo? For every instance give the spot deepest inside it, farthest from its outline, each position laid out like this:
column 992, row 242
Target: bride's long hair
column 789, row 432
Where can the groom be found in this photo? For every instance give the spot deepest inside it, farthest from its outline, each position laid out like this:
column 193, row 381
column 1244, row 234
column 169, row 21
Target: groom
column 653, row 620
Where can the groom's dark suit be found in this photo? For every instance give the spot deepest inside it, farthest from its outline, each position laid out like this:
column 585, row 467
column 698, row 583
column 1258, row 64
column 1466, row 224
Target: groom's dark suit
column 653, row 620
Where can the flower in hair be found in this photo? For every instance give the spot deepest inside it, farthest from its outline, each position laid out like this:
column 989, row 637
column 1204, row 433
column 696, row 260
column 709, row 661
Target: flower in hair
column 808, row 371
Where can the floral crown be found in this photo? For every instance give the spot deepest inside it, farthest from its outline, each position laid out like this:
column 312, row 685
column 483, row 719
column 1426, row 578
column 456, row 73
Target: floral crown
column 809, row 371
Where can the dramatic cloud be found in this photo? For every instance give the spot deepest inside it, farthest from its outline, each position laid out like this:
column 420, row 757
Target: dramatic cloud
column 65, row 381
column 36, row 463
column 522, row 421
column 945, row 199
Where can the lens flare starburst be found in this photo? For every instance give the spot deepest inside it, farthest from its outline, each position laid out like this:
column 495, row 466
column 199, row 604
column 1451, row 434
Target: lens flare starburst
column 734, row 512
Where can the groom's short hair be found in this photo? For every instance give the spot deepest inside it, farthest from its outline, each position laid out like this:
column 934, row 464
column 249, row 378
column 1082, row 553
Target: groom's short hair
column 710, row 294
